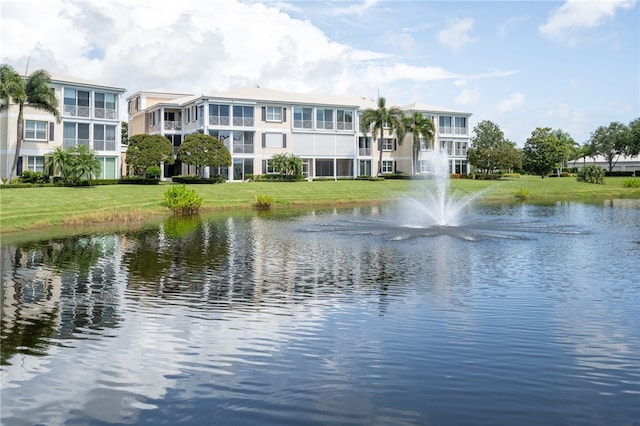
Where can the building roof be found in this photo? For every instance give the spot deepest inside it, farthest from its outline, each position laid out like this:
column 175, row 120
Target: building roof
column 61, row 79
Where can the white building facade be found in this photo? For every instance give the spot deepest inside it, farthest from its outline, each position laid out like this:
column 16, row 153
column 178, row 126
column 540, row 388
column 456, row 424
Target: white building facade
column 255, row 123
column 89, row 116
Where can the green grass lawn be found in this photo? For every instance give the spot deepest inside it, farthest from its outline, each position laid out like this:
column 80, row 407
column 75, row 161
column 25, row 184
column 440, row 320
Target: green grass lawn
column 30, row 208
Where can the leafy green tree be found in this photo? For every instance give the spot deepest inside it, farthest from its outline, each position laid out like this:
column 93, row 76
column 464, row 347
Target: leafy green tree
column 419, row 126
column 34, row 90
column 490, row 151
column 148, row 150
column 568, row 146
column 124, row 133
column 633, row 147
column 203, row 150
column 376, row 120
column 541, row 152
column 611, row 142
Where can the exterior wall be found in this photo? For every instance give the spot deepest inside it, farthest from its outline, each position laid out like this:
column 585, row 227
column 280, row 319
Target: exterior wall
column 329, row 147
column 624, row 164
column 96, row 125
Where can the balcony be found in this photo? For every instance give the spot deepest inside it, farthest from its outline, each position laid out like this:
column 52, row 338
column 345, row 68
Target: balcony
column 215, row 120
column 302, row 124
column 104, row 145
column 244, row 122
column 172, row 125
column 243, row 148
column 76, row 111
column 364, row 152
column 345, row 126
column 74, row 143
column 108, row 114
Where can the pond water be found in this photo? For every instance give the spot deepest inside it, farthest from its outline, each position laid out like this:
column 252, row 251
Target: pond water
column 523, row 314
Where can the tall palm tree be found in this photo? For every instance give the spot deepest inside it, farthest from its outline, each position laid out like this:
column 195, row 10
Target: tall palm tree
column 376, row 120
column 419, row 126
column 33, row 90
column 58, row 163
column 85, row 165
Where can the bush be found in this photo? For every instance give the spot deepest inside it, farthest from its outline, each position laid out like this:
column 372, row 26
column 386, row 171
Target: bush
column 32, row 177
column 263, row 202
column 490, row 176
column 153, row 172
column 631, row 183
column 193, row 179
column 591, row 174
column 522, row 194
column 182, row 200
column 138, row 180
column 626, row 173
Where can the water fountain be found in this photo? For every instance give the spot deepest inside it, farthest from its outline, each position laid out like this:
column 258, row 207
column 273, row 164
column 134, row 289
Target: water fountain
column 433, row 205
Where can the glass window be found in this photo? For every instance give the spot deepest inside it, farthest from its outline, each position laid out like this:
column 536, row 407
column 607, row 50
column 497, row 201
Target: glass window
column 35, row 130
column 35, row 164
column 387, row 166
column 344, row 119
column 242, row 115
column 324, row 119
column 388, row 144
column 274, row 113
column 445, row 124
column 461, row 125
column 302, row 118
column 76, row 103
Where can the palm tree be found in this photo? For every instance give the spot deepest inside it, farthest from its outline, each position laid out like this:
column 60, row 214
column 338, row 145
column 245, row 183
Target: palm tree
column 567, row 144
column 376, row 120
column 419, row 126
column 33, row 90
column 85, row 164
column 58, row 163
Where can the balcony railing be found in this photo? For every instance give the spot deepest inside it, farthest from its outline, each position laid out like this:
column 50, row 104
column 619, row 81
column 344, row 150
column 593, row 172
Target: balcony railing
column 104, row 145
column 326, row 125
column 74, row 143
column 345, row 126
column 302, row 124
column 364, row 152
column 76, row 111
column 461, row 130
column 172, row 125
column 215, row 120
column 245, row 122
column 109, row 114
column 243, row 148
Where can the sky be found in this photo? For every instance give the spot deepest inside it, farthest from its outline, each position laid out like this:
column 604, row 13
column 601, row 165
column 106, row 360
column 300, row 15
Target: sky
column 572, row 65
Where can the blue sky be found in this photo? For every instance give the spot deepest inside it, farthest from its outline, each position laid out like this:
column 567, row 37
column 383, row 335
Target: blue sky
column 572, row 65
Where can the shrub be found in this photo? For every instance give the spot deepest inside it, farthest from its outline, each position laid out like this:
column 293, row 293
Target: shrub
column 522, row 194
column 138, row 180
column 32, row 177
column 193, row 179
column 631, row 183
column 619, row 173
column 182, row 200
column 591, row 174
column 153, row 172
column 511, row 175
column 263, row 202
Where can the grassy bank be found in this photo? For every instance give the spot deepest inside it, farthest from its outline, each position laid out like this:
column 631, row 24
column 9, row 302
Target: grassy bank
column 31, row 208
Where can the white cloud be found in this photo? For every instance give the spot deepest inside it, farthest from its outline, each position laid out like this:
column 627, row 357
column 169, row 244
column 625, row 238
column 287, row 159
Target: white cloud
column 514, row 100
column 468, row 96
column 456, row 36
column 353, row 9
column 575, row 15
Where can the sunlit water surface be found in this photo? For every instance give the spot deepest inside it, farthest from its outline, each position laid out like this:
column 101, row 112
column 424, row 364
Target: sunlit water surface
column 521, row 315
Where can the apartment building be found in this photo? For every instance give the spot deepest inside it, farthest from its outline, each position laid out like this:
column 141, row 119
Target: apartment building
column 90, row 116
column 255, row 123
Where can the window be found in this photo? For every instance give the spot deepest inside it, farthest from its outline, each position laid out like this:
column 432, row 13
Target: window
column 324, row 119
column 387, row 166
column 344, row 119
column 274, row 140
column 108, row 169
column 152, row 118
column 445, row 124
column 75, row 134
column 461, row 149
column 302, row 118
column 243, row 116
column 388, row 144
column 35, row 130
column 273, row 113
column 104, row 137
column 460, row 125
column 105, row 105
column 242, row 142
column 270, row 168
column 223, row 136
column 424, row 145
column 35, row 164
column 218, row 115
column 76, row 103
column 364, row 145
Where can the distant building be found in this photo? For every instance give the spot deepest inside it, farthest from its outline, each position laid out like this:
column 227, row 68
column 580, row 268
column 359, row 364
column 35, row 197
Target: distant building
column 623, row 164
column 90, row 116
column 323, row 131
